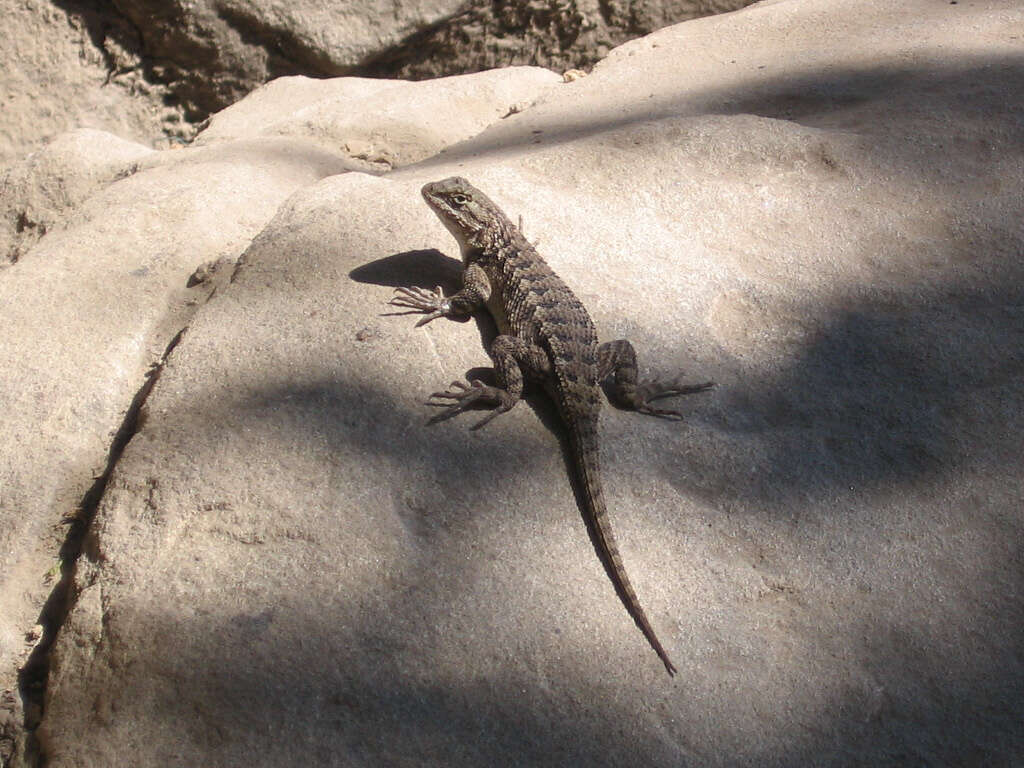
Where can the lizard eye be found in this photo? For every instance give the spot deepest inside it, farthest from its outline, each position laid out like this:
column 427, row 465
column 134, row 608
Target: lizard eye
column 460, row 199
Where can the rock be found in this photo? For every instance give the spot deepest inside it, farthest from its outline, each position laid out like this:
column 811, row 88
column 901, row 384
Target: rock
column 42, row 191
column 411, row 121
column 822, row 216
column 213, row 53
column 151, row 71
column 126, row 244
column 555, row 34
column 64, row 68
column 88, row 311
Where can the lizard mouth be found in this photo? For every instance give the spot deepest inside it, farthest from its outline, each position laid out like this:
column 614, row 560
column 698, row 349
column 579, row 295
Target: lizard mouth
column 434, row 202
column 431, row 192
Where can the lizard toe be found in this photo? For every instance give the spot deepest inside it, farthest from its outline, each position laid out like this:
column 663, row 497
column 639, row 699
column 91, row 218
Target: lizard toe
column 466, row 396
column 661, row 413
column 656, row 390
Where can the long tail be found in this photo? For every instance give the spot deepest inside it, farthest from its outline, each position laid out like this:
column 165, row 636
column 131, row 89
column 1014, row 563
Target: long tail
column 584, row 443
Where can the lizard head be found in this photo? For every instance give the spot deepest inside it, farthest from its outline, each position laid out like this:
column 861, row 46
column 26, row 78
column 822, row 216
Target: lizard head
column 466, row 211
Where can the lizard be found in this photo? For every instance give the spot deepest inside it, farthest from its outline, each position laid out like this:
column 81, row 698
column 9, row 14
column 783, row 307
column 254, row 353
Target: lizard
column 545, row 336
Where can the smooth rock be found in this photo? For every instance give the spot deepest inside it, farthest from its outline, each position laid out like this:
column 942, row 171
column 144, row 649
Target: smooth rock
column 410, row 121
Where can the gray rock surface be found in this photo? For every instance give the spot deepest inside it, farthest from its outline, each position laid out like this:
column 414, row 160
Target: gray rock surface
column 216, row 51
column 212, row 52
column 823, row 216
column 41, row 193
column 88, row 312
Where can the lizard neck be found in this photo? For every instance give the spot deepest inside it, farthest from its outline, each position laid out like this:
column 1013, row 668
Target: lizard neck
column 490, row 239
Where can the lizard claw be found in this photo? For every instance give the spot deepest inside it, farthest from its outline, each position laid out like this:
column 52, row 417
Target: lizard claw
column 654, row 391
column 421, row 300
column 432, row 316
column 450, row 394
column 417, row 298
column 649, row 392
column 465, row 395
column 501, row 408
column 660, row 413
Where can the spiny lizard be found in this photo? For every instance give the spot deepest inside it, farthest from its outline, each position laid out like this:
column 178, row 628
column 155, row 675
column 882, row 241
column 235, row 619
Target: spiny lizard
column 546, row 336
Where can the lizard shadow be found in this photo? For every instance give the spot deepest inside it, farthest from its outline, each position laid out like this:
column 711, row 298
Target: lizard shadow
column 427, row 269
column 424, row 268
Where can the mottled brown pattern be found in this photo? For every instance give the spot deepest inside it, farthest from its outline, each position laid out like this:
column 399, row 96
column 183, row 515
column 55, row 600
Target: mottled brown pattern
column 545, row 335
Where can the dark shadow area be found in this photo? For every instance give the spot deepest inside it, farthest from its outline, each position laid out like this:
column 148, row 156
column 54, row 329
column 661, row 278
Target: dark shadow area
column 355, row 715
column 878, row 399
column 926, row 713
column 204, row 70
column 881, row 398
column 484, row 34
column 347, row 687
column 288, row 53
column 975, row 94
column 345, row 679
column 113, row 32
column 426, row 269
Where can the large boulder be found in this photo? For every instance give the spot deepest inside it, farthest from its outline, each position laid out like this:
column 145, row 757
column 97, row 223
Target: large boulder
column 561, row 34
column 111, row 248
column 822, row 215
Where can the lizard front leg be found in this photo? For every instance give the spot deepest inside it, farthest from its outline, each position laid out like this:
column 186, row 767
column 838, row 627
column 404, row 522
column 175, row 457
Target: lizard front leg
column 476, row 289
column 619, row 358
column 513, row 358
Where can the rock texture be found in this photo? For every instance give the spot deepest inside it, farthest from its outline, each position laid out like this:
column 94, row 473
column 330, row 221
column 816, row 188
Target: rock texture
column 410, row 121
column 286, row 565
column 560, row 34
column 213, row 52
column 65, row 66
column 151, row 70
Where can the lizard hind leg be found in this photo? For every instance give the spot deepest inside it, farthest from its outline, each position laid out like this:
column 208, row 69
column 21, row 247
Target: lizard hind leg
column 513, row 357
column 618, row 359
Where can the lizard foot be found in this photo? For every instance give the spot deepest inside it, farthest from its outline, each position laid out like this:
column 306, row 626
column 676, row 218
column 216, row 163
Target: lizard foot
column 650, row 391
column 466, row 395
column 419, row 299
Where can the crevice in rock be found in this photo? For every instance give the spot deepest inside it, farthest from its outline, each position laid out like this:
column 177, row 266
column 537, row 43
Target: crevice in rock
column 129, row 60
column 483, row 34
column 557, row 34
column 287, row 53
column 113, row 34
column 27, row 232
column 33, row 676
